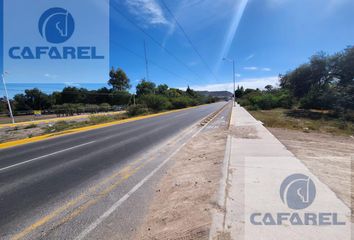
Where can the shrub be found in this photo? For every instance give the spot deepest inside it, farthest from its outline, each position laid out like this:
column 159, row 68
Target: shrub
column 138, row 109
column 57, row 127
column 96, row 119
column 183, row 102
column 180, row 102
column 30, row 126
column 267, row 100
column 104, row 107
column 155, row 102
column 264, row 101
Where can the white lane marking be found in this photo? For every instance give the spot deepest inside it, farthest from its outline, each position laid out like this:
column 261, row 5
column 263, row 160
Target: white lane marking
column 106, row 214
column 47, row 155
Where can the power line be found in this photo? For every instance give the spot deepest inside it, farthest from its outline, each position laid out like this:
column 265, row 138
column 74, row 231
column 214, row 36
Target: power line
column 189, row 40
column 90, row 92
column 146, row 63
column 154, row 40
column 150, row 61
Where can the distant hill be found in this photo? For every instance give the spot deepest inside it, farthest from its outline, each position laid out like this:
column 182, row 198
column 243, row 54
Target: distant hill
column 218, row 94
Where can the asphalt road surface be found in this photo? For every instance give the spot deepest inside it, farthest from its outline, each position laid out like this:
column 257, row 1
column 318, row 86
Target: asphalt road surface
column 64, row 188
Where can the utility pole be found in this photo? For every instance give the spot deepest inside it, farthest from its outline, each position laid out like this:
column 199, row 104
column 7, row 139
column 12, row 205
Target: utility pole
column 233, row 77
column 7, row 97
column 146, row 63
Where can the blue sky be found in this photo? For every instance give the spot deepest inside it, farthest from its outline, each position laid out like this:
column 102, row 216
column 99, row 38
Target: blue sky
column 265, row 37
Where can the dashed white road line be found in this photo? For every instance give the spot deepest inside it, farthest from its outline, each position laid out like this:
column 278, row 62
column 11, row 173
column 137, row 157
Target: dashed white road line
column 106, row 214
column 44, row 156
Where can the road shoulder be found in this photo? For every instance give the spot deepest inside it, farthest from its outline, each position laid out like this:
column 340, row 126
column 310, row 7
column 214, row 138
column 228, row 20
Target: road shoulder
column 186, row 194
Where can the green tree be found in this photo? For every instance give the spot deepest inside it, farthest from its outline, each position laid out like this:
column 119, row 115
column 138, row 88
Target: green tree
column 145, row 88
column 190, row 92
column 21, row 103
column 174, row 92
column 103, row 95
column 342, row 66
column 3, row 105
column 239, row 92
column 269, row 88
column 298, row 82
column 33, row 99
column 162, row 89
column 56, row 98
column 74, row 95
column 121, row 98
column 119, row 80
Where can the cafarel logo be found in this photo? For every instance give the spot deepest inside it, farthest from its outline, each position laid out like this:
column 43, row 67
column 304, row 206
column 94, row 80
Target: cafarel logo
column 56, row 26
column 297, row 192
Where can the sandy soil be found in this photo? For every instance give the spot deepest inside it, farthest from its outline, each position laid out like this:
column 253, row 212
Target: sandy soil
column 329, row 157
column 6, row 119
column 11, row 134
column 8, row 134
column 248, row 132
column 185, row 195
column 50, row 117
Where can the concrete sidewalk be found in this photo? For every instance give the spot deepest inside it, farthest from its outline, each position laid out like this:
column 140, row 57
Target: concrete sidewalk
column 260, row 193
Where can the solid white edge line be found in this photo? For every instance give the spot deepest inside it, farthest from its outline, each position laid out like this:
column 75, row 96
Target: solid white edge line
column 106, row 214
column 47, row 155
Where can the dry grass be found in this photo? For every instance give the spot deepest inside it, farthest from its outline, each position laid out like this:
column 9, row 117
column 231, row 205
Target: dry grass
column 280, row 118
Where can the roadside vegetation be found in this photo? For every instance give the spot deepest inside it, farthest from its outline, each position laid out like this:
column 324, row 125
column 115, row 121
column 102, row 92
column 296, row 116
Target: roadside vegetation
column 316, row 96
column 93, row 120
column 148, row 97
column 117, row 101
column 282, row 118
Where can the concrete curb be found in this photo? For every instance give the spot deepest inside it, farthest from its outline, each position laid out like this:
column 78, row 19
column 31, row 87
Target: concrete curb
column 218, row 215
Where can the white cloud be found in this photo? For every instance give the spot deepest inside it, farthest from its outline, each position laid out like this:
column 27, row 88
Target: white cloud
column 251, row 68
column 265, row 69
column 48, row 75
column 246, row 83
column 72, row 84
column 148, row 10
column 249, row 57
column 238, row 75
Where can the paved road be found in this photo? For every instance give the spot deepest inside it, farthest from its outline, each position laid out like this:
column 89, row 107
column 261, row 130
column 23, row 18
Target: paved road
column 41, row 184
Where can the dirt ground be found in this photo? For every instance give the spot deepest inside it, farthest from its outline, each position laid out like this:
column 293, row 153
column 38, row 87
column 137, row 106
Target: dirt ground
column 328, row 156
column 25, row 118
column 185, row 195
column 54, row 117
column 8, row 134
column 39, row 127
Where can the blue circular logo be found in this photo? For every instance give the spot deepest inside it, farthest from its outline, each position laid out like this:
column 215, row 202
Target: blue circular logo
column 298, row 191
column 56, row 25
